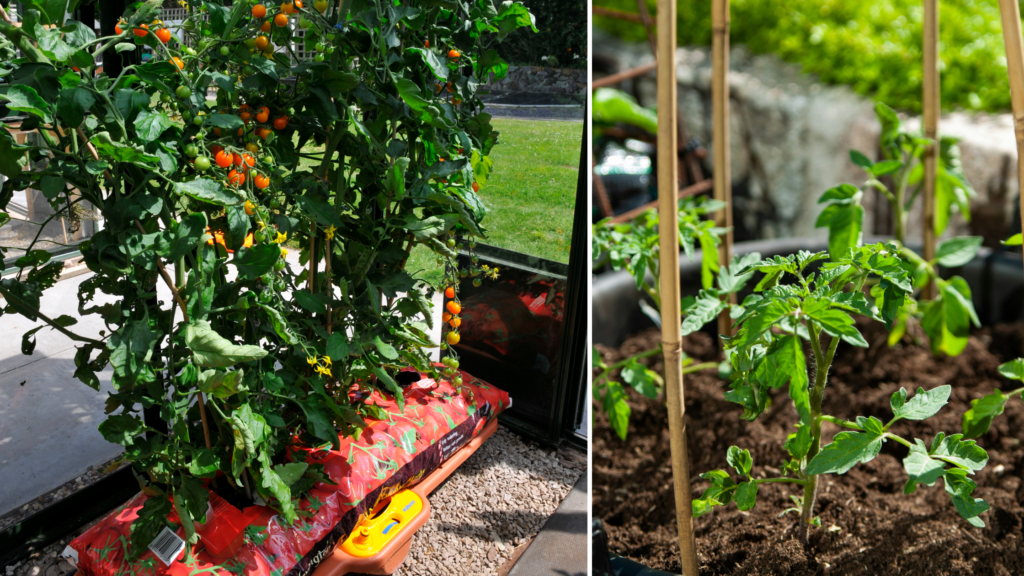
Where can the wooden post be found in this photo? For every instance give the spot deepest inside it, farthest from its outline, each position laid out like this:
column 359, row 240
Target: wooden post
column 720, row 125
column 931, row 129
column 671, row 313
column 1009, row 12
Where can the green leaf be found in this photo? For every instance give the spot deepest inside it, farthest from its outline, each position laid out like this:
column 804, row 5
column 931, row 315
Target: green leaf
column 121, row 429
column 958, row 251
column 273, row 485
column 924, row 404
column 788, row 355
column 838, row 323
column 730, row 280
column 149, row 125
column 841, row 192
column 960, row 488
column 337, row 346
column 798, row 443
column 641, row 378
column 746, row 495
column 614, row 403
column 437, row 66
column 921, row 467
column 221, row 384
column 845, row 225
column 205, row 463
column 386, row 350
column 228, row 122
column 740, row 460
column 291, row 472
column 860, row 159
column 977, row 420
column 185, row 237
column 886, row 167
column 11, row 159
column 704, row 309
column 316, row 303
column 25, row 99
column 719, row 493
column 73, row 103
column 390, row 384
column 256, row 261
column 962, row 453
column 51, row 11
column 212, row 350
column 210, row 191
column 846, row 451
column 1015, row 240
column 1014, row 369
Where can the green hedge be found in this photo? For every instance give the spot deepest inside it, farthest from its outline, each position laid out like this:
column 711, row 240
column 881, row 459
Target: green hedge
column 561, row 35
column 874, row 46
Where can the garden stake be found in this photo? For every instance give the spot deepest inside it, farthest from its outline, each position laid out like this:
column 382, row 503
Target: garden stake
column 720, row 121
column 624, row 75
column 692, row 190
column 668, row 231
column 931, row 130
column 1009, row 13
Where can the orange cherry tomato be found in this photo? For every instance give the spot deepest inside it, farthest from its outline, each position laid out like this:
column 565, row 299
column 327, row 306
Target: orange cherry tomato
column 261, row 181
column 426, row 44
column 259, row 11
column 223, row 159
column 280, row 122
column 248, row 160
column 216, row 148
column 263, row 132
column 177, row 62
column 456, row 101
column 236, row 178
column 455, row 322
column 449, row 292
column 236, row 159
column 454, row 53
column 453, row 338
column 452, row 306
column 141, row 31
column 263, row 114
column 298, row 4
column 262, row 42
column 164, row 35
column 117, row 28
column 288, row 8
column 240, row 132
column 446, row 317
column 476, row 187
column 244, row 108
column 249, row 207
column 265, row 27
column 281, row 20
column 245, row 116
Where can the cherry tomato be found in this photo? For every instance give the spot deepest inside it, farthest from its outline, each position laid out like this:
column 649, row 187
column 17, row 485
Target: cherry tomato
column 259, row 11
column 224, row 51
column 249, row 207
column 263, row 114
column 320, row 5
column 191, row 150
column 454, row 53
column 223, row 159
column 261, row 181
column 236, row 159
column 164, row 35
column 202, row 163
column 245, row 116
column 477, row 282
column 236, row 178
column 252, row 147
column 453, row 307
column 445, row 318
column 261, row 42
column 248, row 160
column 304, row 23
column 177, row 62
column 263, row 132
column 476, row 187
column 265, row 27
column 426, row 44
column 141, row 31
column 117, row 28
column 455, row 322
column 288, row 8
column 453, row 338
column 183, row 92
column 449, row 292
column 281, row 20
column 280, row 122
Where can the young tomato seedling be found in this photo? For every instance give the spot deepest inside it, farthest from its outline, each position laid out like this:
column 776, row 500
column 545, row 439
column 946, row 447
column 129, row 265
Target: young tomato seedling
column 768, row 352
column 947, row 319
column 633, row 246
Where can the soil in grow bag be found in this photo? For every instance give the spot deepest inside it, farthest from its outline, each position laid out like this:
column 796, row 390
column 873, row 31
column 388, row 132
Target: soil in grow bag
column 868, row 525
column 391, row 454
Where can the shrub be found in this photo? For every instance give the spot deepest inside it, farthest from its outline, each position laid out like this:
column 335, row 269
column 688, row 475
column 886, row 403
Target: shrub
column 561, row 38
column 873, row 46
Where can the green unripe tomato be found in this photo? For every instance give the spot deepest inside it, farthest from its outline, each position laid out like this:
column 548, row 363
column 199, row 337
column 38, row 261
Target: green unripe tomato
column 463, row 274
column 451, row 242
column 477, row 282
column 198, row 120
column 164, row 97
column 190, row 51
column 259, row 235
column 186, row 115
column 280, row 284
column 207, row 32
column 331, row 36
column 457, row 380
column 455, row 364
column 235, row 35
column 183, row 92
column 304, row 23
column 202, row 163
column 274, row 203
column 472, row 244
column 474, row 272
column 444, row 345
column 266, row 296
column 200, row 136
column 474, row 260
column 191, row 150
column 330, row 50
column 250, row 43
column 248, row 70
column 320, row 46
column 224, row 50
column 318, row 58
column 279, row 265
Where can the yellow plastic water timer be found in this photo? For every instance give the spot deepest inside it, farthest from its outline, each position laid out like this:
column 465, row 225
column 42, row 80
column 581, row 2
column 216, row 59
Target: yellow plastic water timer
column 384, row 523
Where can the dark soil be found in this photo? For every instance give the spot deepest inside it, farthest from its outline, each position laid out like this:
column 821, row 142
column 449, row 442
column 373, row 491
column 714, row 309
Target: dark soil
column 868, row 525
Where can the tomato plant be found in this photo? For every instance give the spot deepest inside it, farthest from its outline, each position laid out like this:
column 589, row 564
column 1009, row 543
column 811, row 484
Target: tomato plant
column 791, row 305
column 633, row 246
column 251, row 353
column 947, row 319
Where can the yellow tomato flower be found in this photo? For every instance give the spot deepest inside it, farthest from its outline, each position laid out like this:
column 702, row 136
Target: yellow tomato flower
column 330, row 232
column 326, row 359
column 281, row 237
column 311, row 360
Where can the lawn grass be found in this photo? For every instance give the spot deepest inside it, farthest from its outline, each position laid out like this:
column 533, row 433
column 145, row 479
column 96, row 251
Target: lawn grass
column 530, row 195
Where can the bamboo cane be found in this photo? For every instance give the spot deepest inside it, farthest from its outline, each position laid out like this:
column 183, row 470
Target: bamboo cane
column 1009, row 13
column 931, row 130
column 720, row 125
column 668, row 231
column 624, row 75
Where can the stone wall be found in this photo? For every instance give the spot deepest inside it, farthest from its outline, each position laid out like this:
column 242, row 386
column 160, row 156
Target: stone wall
column 791, row 135
column 541, row 79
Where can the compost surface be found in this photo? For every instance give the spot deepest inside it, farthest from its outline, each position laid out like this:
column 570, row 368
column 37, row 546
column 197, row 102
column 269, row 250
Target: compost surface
column 868, row 525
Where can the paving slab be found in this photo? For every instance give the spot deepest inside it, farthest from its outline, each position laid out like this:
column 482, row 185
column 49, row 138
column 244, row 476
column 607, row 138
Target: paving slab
column 560, row 549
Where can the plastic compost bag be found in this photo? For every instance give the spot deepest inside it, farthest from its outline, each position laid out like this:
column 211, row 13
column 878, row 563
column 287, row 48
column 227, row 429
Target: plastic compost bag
column 391, row 454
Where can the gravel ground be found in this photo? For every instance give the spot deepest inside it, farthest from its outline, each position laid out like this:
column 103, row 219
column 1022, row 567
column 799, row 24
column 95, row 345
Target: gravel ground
column 492, row 506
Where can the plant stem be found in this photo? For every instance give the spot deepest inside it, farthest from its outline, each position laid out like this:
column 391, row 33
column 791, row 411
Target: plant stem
column 820, row 378
column 699, row 367
column 840, row 422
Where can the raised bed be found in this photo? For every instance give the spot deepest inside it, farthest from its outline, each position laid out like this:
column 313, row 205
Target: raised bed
column 868, row 525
